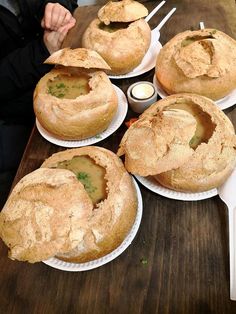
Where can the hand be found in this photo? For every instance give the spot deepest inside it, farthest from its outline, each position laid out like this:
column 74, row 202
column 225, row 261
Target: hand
column 53, row 39
column 56, row 16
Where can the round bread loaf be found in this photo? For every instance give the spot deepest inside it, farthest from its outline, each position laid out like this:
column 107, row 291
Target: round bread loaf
column 45, row 214
column 119, row 35
column 73, row 102
column 189, row 144
column 53, row 211
column 201, row 62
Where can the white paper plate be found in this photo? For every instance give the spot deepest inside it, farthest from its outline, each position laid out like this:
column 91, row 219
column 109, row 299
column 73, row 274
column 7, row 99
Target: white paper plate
column 222, row 103
column 149, row 60
column 154, row 186
column 115, row 124
column 58, row 264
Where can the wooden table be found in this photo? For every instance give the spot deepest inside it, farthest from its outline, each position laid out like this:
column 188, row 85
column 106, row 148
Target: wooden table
column 184, row 244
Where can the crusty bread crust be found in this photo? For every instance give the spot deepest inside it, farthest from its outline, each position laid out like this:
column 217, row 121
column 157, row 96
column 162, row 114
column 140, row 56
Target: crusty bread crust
column 114, row 217
column 79, row 57
column 45, row 215
column 201, row 62
column 122, row 11
column 124, row 49
column 154, row 143
column 49, row 212
column 205, row 168
column 79, row 118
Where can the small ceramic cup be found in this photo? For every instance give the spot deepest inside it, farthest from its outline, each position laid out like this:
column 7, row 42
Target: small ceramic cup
column 141, row 95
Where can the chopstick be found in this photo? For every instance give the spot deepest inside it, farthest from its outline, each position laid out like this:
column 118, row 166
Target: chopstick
column 166, row 18
column 150, row 15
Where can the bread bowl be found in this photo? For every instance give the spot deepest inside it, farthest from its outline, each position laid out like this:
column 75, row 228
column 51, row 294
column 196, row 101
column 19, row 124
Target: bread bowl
column 188, row 144
column 201, row 62
column 76, row 99
column 120, row 35
column 78, row 206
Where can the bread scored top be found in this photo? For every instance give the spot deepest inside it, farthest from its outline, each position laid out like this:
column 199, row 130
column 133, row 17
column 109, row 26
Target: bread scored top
column 79, row 57
column 122, row 11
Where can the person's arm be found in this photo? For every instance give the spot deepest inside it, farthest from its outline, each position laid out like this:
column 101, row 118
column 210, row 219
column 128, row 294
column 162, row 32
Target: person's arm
column 21, row 69
column 56, row 16
column 56, row 22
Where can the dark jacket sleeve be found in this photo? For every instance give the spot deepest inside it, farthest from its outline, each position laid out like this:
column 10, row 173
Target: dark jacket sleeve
column 21, row 69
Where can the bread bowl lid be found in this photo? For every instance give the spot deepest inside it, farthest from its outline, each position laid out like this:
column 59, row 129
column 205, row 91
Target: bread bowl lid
column 122, row 11
column 44, row 231
column 79, row 57
column 166, row 136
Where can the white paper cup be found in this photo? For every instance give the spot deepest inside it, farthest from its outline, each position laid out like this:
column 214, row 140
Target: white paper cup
column 141, row 95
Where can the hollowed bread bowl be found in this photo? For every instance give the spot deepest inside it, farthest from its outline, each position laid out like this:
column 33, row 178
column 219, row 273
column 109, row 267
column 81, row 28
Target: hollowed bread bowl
column 185, row 141
column 120, row 35
column 201, row 62
column 75, row 100
column 78, row 206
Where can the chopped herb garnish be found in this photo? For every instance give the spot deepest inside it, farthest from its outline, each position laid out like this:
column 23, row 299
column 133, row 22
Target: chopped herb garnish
column 50, row 89
column 85, row 179
column 60, row 95
column 98, row 136
column 61, row 85
column 58, row 90
column 82, row 175
column 69, row 87
column 144, row 261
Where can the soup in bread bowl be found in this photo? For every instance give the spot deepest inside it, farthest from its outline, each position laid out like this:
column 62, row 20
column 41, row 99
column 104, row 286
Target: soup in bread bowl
column 201, row 62
column 120, row 35
column 76, row 99
column 79, row 206
column 185, row 141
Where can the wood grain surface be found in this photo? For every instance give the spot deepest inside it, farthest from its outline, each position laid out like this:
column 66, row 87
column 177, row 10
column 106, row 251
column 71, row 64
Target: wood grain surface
column 184, row 244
